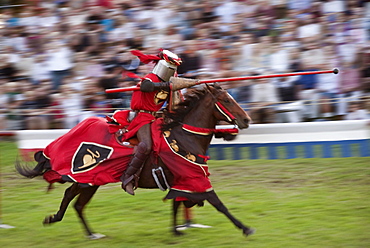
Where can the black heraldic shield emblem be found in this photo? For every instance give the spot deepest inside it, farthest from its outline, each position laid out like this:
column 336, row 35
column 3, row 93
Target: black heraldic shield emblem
column 89, row 155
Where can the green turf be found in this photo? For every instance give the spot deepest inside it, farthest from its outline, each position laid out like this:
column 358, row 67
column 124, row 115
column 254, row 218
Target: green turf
column 291, row 203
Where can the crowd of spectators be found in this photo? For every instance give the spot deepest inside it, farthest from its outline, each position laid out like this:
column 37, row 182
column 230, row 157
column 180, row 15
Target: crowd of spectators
column 58, row 57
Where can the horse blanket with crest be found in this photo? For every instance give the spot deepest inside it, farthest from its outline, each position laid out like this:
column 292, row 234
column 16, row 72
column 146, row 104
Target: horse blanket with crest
column 90, row 154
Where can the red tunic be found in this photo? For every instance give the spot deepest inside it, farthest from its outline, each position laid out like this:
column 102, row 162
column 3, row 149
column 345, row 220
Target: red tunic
column 149, row 101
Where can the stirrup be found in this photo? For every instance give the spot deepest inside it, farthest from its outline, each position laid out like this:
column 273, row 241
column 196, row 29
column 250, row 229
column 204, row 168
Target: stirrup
column 127, row 188
column 127, row 180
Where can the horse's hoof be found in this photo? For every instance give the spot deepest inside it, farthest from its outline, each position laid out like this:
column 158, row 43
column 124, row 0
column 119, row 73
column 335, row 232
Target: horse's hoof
column 48, row 220
column 178, row 233
column 249, row 231
column 94, row 236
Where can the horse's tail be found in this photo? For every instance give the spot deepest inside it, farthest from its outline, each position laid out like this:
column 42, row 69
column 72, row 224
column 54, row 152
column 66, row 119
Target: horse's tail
column 43, row 165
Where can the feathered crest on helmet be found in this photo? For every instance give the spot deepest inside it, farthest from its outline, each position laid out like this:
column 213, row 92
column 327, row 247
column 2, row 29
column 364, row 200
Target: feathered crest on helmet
column 170, row 57
column 166, row 55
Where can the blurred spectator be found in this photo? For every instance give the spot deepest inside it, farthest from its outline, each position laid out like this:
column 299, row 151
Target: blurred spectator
column 86, row 41
column 191, row 60
column 154, row 39
column 99, row 105
column 262, row 54
column 39, row 70
column 28, row 19
column 24, row 64
column 245, row 52
column 311, row 59
column 33, row 112
column 364, row 67
column 307, row 92
column 7, row 70
column 126, row 61
column 289, row 41
column 333, row 6
column 227, row 10
column 60, row 62
column 348, row 49
column 290, row 108
column 80, row 61
column 309, row 29
column 47, row 19
column 122, row 30
column 111, row 80
column 207, row 11
column 279, row 58
column 349, row 87
column 161, row 16
column 136, row 42
column 72, row 105
column 328, row 84
column 240, row 90
column 13, row 116
column 263, row 97
column 358, row 32
column 56, row 111
column 171, row 37
column 18, row 40
column 299, row 4
column 356, row 112
column 75, row 17
column 3, row 104
column 94, row 67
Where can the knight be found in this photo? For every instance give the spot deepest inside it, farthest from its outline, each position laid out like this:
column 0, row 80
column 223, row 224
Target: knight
column 155, row 89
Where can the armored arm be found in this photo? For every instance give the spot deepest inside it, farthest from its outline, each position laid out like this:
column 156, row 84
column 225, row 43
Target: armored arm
column 149, row 86
column 177, row 83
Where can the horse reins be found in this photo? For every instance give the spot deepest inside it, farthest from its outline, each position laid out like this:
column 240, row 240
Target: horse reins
column 208, row 131
column 220, row 108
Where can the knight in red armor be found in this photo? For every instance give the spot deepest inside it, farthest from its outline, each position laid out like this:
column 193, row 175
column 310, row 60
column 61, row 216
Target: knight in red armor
column 154, row 91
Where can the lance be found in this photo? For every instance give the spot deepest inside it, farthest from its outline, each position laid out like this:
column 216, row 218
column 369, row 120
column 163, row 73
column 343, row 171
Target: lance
column 219, row 80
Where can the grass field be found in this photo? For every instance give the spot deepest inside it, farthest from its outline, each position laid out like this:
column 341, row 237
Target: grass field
column 291, row 203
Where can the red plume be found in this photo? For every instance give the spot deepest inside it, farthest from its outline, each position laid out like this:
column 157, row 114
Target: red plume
column 145, row 58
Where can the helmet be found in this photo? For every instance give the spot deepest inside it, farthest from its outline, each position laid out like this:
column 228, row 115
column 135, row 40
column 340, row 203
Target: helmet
column 166, row 67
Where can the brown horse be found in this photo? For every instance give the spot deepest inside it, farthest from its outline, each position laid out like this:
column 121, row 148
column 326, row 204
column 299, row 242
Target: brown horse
column 189, row 130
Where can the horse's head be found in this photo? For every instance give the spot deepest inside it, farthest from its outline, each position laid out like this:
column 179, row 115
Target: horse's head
column 227, row 109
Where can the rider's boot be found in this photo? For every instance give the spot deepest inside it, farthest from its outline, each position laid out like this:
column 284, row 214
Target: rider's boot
column 138, row 160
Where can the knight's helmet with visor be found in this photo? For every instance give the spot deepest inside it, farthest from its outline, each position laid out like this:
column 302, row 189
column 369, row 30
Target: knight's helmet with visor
column 166, row 67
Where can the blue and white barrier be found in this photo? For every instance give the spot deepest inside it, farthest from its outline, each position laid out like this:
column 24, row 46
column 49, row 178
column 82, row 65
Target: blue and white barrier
column 260, row 141
column 297, row 140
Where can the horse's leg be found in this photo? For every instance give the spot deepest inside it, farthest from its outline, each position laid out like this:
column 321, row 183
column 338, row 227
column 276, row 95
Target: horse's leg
column 175, row 210
column 216, row 202
column 86, row 193
column 69, row 194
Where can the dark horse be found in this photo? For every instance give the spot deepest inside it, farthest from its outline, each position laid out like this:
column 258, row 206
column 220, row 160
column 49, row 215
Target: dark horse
column 189, row 130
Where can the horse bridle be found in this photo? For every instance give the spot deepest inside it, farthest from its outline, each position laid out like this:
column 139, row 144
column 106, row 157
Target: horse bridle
column 220, row 108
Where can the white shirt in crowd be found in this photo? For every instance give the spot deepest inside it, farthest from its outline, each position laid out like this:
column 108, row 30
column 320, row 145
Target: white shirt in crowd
column 263, row 92
column 227, row 11
column 279, row 61
column 40, row 71
column 59, row 58
column 328, row 83
column 309, row 30
column 359, row 114
column 333, row 6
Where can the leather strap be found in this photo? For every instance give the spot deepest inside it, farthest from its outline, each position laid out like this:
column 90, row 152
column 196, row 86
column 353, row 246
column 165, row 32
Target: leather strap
column 146, row 111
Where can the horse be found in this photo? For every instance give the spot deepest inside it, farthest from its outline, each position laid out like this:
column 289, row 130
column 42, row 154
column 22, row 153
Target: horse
column 181, row 141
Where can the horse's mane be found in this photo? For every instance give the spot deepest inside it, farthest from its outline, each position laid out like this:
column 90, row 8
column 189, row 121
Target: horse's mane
column 192, row 97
